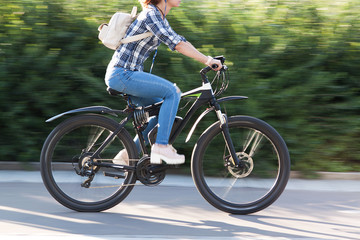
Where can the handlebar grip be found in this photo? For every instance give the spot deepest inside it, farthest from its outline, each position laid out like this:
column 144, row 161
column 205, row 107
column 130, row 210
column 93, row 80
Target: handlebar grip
column 214, row 66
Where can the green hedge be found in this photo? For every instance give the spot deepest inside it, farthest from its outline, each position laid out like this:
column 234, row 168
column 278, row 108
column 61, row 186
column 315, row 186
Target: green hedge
column 297, row 61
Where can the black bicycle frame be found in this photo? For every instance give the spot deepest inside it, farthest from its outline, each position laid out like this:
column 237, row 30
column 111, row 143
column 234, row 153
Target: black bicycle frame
column 206, row 96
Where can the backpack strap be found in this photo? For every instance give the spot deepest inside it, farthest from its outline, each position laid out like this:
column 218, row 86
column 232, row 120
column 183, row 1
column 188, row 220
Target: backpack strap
column 136, row 37
column 133, row 12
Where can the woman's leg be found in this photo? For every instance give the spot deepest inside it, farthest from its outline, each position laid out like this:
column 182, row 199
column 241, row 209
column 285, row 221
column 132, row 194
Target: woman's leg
column 141, row 84
column 153, row 121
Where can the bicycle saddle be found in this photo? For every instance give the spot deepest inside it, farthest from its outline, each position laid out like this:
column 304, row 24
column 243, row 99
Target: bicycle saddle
column 114, row 92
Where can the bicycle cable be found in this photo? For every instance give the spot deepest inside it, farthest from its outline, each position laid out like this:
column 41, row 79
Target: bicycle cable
column 220, row 82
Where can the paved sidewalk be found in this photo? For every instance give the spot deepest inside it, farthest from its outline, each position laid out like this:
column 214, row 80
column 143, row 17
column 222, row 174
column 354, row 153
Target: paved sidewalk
column 186, row 181
column 308, row 209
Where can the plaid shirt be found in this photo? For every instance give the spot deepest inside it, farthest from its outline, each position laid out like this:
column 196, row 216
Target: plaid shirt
column 133, row 55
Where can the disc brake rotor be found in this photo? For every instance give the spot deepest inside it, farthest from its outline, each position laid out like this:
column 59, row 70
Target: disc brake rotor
column 248, row 166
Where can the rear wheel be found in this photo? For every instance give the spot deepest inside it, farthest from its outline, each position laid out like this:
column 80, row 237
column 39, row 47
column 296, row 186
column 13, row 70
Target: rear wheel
column 67, row 174
column 255, row 185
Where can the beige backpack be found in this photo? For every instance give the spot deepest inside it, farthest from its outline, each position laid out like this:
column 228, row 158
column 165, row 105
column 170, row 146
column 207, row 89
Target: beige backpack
column 112, row 34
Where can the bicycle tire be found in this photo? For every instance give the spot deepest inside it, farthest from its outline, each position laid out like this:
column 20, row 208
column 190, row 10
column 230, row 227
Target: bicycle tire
column 248, row 190
column 66, row 142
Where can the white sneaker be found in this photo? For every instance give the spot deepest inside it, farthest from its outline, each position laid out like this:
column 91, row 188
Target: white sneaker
column 122, row 158
column 166, row 153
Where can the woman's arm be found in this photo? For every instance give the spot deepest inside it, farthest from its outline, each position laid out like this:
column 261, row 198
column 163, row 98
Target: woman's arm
column 187, row 49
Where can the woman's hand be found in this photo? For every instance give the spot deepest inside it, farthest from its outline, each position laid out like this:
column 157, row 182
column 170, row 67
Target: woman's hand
column 212, row 61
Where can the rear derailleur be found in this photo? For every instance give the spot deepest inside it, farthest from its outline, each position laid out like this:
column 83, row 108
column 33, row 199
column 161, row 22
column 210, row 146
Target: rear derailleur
column 85, row 168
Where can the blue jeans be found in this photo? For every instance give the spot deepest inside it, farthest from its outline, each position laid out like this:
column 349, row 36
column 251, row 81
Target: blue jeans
column 146, row 89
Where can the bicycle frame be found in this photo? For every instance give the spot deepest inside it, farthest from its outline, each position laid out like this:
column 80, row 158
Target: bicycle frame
column 98, row 153
column 204, row 95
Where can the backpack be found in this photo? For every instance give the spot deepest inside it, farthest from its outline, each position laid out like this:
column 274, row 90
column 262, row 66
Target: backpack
column 112, row 34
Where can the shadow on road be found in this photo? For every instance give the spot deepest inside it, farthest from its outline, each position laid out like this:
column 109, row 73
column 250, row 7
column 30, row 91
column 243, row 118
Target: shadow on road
column 163, row 212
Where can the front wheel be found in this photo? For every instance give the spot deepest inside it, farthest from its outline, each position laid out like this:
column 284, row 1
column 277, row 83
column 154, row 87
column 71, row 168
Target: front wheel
column 262, row 177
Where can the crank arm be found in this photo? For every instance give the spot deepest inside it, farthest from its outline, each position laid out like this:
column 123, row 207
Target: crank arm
column 115, row 166
column 116, row 176
column 158, row 168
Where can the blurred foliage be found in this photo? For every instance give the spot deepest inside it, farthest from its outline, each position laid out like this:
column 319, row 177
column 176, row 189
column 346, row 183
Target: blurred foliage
column 297, row 61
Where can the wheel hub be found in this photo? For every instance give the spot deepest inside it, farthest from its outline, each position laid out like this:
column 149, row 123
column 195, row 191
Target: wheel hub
column 82, row 164
column 245, row 170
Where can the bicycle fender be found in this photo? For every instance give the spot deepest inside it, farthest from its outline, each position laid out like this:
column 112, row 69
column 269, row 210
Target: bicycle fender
column 203, row 114
column 230, row 98
column 100, row 109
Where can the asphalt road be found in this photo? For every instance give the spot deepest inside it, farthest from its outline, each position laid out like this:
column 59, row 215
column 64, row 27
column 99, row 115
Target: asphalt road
column 175, row 210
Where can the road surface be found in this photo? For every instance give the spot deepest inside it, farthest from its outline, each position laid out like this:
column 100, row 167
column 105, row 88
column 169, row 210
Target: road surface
column 316, row 209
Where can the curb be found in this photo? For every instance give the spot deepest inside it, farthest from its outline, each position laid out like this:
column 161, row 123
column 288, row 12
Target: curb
column 20, row 166
column 35, row 166
column 329, row 175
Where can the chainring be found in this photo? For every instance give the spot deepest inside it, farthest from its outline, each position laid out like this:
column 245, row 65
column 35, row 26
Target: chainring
column 149, row 174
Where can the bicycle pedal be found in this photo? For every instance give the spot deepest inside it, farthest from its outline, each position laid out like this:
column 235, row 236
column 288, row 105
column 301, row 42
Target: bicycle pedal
column 116, row 176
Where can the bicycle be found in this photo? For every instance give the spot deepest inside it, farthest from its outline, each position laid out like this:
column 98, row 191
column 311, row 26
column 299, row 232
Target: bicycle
column 240, row 164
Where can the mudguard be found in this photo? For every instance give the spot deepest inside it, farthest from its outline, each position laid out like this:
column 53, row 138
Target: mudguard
column 100, row 109
column 203, row 114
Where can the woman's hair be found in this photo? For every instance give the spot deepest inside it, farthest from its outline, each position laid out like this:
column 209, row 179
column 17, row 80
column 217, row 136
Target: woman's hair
column 145, row 3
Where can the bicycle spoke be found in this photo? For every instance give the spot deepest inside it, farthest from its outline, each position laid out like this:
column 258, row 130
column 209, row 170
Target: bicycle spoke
column 94, row 135
column 225, row 195
column 256, row 143
column 253, row 142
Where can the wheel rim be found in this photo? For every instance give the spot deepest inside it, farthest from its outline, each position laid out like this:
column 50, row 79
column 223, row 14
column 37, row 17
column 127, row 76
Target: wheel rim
column 71, row 152
column 240, row 187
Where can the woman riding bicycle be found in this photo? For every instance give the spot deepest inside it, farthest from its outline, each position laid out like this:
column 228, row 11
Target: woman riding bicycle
column 125, row 74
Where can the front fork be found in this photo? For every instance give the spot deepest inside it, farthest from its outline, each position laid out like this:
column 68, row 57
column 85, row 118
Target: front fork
column 229, row 143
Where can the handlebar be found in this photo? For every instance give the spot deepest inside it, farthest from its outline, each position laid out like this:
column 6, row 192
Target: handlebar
column 205, row 70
